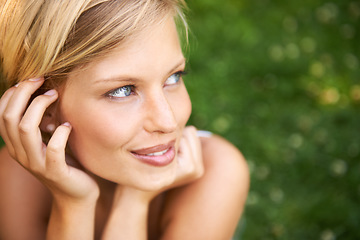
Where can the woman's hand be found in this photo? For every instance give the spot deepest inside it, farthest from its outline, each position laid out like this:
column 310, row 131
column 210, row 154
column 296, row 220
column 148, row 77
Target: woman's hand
column 190, row 161
column 19, row 128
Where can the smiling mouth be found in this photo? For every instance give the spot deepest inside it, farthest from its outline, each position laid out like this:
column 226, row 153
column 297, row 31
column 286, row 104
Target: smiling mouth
column 157, row 153
column 158, row 156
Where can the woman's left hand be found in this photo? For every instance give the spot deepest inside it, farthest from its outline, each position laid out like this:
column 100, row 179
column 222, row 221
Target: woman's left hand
column 189, row 158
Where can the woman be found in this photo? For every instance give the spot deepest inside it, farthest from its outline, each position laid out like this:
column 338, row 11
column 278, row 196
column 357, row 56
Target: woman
column 102, row 134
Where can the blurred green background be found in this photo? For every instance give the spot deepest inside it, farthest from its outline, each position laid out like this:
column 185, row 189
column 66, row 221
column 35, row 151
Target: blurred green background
column 281, row 80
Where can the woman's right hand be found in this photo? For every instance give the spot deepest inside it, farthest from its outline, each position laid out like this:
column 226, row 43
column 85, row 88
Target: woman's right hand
column 19, row 128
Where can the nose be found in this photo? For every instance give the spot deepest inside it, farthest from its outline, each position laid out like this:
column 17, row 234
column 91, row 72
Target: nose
column 160, row 115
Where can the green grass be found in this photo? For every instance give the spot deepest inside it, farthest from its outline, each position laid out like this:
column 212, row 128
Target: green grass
column 281, row 80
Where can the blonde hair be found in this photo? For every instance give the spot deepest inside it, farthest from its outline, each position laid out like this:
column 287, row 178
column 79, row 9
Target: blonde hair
column 51, row 37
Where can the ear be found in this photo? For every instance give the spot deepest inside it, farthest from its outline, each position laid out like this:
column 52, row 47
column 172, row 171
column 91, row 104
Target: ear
column 49, row 121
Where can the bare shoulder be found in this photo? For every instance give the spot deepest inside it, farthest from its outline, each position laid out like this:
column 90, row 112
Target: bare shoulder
column 210, row 207
column 226, row 170
column 224, row 158
column 24, row 202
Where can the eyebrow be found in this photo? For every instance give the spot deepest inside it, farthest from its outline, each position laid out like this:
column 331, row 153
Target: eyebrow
column 126, row 78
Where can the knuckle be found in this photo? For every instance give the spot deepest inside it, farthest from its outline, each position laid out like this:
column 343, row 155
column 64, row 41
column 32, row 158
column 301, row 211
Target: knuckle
column 8, row 117
column 196, row 171
column 200, row 172
column 24, row 128
column 191, row 129
column 53, row 149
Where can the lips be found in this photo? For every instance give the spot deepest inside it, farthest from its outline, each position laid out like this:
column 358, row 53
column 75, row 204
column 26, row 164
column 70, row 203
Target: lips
column 158, row 156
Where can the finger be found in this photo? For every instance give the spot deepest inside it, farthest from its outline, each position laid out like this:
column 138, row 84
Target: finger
column 190, row 134
column 55, row 150
column 3, row 133
column 14, row 111
column 184, row 157
column 30, row 134
column 183, row 149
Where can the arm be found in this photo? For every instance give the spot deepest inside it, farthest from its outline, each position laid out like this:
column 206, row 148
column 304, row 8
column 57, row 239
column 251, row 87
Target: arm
column 28, row 207
column 128, row 218
column 71, row 220
column 210, row 207
column 24, row 203
column 71, row 188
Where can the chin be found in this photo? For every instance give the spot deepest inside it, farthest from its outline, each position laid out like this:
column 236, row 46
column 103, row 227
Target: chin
column 156, row 181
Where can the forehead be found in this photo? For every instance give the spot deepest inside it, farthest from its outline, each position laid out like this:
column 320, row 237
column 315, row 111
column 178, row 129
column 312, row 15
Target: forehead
column 155, row 48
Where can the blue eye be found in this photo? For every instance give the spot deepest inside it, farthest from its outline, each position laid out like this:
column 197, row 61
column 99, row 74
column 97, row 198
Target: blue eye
column 174, row 78
column 121, row 92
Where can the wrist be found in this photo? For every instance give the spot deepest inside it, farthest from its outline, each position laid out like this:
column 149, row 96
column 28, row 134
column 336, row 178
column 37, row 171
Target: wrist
column 66, row 216
column 129, row 214
column 67, row 203
column 128, row 195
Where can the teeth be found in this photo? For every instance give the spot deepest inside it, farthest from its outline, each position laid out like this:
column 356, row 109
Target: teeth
column 157, row 153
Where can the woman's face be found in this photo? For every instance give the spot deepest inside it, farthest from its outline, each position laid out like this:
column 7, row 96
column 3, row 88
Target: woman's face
column 128, row 109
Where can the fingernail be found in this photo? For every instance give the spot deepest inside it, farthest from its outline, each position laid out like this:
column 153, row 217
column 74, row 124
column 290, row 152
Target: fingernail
column 35, row 79
column 16, row 85
column 67, row 124
column 51, row 92
column 202, row 133
column 50, row 127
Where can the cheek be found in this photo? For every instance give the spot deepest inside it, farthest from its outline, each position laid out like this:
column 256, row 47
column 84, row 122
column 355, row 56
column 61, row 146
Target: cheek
column 182, row 108
column 98, row 129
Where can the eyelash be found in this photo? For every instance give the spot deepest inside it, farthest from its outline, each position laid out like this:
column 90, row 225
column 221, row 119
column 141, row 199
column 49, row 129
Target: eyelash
column 179, row 73
column 131, row 88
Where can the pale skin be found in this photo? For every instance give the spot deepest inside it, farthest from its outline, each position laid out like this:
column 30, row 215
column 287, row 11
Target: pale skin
column 200, row 194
